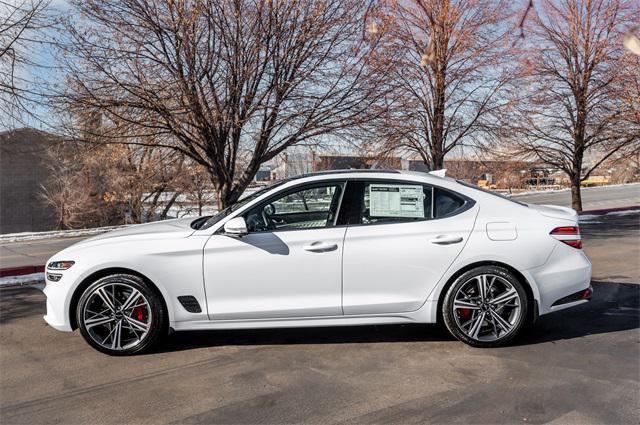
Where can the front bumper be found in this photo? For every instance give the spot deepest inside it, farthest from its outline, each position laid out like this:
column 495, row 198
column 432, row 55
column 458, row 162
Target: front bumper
column 58, row 301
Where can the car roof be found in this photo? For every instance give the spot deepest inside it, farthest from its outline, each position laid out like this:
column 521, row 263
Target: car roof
column 364, row 173
column 348, row 171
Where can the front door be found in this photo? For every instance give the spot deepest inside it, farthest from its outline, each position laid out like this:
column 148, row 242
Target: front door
column 290, row 263
column 399, row 245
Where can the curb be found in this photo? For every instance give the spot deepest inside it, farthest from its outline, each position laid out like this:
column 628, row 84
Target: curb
column 34, row 279
column 19, row 271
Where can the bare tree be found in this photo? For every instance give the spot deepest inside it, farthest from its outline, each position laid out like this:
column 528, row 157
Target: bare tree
column 230, row 84
column 141, row 183
column 449, row 69
column 573, row 106
column 197, row 188
column 68, row 190
column 94, row 184
column 21, row 26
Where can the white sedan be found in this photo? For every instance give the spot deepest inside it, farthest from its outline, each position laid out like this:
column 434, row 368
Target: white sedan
column 327, row 249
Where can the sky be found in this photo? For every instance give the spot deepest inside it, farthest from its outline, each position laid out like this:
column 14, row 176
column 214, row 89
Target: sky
column 42, row 67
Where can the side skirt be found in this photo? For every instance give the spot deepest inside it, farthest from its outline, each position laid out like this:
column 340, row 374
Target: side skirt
column 426, row 314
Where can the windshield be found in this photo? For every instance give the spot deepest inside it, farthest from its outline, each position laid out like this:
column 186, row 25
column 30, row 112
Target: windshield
column 239, row 204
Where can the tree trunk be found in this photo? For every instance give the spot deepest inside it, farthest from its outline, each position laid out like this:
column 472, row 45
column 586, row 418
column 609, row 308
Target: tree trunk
column 61, row 225
column 165, row 211
column 228, row 194
column 437, row 160
column 576, row 195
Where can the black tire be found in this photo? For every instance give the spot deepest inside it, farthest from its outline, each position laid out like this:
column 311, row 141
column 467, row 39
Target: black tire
column 455, row 328
column 156, row 317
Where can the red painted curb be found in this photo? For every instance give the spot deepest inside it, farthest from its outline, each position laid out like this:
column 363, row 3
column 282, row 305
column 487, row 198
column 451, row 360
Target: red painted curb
column 19, row 271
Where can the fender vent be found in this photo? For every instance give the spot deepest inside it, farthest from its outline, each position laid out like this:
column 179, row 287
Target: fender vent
column 190, row 303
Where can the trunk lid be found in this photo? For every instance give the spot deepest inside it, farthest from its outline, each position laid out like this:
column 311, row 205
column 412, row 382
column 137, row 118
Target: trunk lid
column 555, row 211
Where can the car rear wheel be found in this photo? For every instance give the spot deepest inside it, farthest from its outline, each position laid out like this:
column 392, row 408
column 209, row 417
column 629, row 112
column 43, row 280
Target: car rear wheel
column 121, row 315
column 485, row 307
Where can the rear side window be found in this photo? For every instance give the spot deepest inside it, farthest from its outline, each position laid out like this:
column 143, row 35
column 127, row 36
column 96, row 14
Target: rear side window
column 446, row 203
column 384, row 201
column 390, row 202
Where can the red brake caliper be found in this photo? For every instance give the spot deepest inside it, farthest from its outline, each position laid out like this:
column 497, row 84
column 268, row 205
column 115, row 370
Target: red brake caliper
column 465, row 313
column 140, row 314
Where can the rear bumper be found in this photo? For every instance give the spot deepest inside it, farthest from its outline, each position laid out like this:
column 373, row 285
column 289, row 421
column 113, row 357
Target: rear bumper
column 566, row 273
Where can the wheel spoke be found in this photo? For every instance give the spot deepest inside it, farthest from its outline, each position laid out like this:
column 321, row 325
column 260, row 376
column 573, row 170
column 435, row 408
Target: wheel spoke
column 105, row 299
column 459, row 304
column 503, row 324
column 90, row 323
column 493, row 280
column 493, row 325
column 137, row 324
column 132, row 329
column 477, row 324
column 482, row 286
column 102, row 313
column 135, row 294
column 133, row 307
column 505, row 297
column 109, row 335
column 117, row 336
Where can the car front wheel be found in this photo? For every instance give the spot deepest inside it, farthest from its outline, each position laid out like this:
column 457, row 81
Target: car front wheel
column 121, row 315
column 485, row 307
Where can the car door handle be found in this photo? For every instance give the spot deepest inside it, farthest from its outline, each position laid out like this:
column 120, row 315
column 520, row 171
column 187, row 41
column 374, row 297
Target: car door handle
column 446, row 239
column 321, row 247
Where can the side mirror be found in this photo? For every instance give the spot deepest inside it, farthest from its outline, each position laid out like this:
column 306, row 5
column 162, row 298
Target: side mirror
column 236, row 227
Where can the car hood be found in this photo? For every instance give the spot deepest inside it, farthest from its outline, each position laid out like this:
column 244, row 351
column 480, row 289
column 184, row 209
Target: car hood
column 555, row 211
column 177, row 228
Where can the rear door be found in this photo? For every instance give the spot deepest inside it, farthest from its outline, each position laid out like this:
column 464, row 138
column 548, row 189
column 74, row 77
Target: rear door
column 402, row 237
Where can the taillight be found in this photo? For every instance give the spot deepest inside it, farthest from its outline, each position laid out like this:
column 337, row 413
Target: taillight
column 569, row 235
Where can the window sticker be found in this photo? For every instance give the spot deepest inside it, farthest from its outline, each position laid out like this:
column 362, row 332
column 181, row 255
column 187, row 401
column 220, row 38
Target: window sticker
column 390, row 200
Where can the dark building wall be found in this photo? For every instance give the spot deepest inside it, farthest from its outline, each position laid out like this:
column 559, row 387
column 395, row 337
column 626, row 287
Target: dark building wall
column 344, row 162
column 22, row 172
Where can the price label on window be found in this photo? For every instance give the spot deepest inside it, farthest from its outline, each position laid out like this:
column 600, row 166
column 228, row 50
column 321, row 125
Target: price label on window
column 389, row 200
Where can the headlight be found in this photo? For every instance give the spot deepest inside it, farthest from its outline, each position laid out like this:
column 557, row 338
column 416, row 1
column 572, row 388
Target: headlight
column 60, row 265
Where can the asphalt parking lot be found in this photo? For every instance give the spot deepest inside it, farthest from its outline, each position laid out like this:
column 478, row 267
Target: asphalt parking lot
column 576, row 366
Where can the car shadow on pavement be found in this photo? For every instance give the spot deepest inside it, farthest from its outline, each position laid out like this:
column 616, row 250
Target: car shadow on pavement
column 608, row 227
column 20, row 302
column 615, row 307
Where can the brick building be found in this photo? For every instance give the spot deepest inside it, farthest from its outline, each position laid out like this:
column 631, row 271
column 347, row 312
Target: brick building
column 22, row 172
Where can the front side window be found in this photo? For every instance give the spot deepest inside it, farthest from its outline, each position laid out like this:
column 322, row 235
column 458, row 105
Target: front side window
column 201, row 225
column 305, row 208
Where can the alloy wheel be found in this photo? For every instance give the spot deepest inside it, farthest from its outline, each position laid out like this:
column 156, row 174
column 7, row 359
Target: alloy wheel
column 487, row 307
column 117, row 316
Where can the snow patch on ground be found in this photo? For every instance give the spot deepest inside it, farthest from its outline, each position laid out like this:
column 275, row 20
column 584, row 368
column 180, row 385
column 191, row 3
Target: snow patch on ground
column 26, row 279
column 590, row 217
column 565, row 189
column 32, row 236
